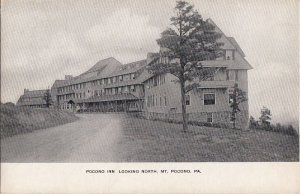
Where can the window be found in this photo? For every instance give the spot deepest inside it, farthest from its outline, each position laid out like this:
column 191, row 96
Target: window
column 209, row 99
column 126, row 89
column 230, row 75
column 132, row 88
column 152, row 98
column 163, row 78
column 224, row 54
column 149, row 101
column 133, row 76
column 230, row 98
column 227, row 75
column 229, row 55
column 187, row 100
column 209, row 117
column 155, row 81
column 236, row 75
column 165, row 100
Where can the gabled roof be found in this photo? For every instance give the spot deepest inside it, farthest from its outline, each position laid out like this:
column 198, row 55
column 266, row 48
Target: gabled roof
column 100, row 65
column 38, row 101
column 35, row 97
column 129, row 68
column 236, row 45
column 119, row 69
column 229, row 42
column 35, row 93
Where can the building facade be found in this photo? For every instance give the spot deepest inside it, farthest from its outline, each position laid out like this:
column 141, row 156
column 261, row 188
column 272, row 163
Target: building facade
column 33, row 99
column 110, row 86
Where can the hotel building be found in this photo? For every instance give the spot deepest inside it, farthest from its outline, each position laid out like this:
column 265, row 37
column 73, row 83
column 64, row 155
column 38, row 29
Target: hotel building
column 110, row 86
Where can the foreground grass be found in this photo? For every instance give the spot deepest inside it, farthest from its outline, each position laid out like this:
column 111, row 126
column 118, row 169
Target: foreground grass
column 156, row 141
column 18, row 120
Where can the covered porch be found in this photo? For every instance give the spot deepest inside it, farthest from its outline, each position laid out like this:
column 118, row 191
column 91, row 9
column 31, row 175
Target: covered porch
column 111, row 103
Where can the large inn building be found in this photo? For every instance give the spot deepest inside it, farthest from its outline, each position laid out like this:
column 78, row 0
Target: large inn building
column 110, row 86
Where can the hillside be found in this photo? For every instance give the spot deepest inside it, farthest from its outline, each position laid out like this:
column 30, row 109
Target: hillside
column 17, row 120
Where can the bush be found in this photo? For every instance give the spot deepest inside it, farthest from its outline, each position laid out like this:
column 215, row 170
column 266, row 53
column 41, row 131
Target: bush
column 278, row 128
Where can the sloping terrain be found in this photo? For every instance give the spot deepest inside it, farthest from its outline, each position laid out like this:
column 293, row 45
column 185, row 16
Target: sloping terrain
column 16, row 120
column 122, row 138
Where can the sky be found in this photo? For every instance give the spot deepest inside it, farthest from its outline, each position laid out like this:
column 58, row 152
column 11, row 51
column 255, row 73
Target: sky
column 43, row 40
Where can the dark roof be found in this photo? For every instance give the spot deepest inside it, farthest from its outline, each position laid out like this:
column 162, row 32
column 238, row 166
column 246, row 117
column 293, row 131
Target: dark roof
column 35, row 101
column 100, row 65
column 34, row 97
column 120, row 70
column 107, row 98
column 35, row 93
column 129, row 68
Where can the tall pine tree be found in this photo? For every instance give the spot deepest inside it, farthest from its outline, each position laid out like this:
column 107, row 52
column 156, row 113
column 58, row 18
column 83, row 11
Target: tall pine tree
column 188, row 41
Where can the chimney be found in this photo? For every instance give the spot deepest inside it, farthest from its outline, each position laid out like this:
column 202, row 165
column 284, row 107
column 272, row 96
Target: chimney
column 26, row 90
column 68, row 77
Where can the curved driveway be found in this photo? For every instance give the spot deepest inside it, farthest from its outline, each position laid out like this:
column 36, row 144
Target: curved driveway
column 92, row 138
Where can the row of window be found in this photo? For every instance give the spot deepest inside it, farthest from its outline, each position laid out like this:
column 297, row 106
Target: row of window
column 231, row 75
column 208, row 99
column 72, row 96
column 28, row 99
column 106, row 91
column 118, row 90
column 226, row 55
column 114, row 79
column 104, row 81
column 156, row 81
column 71, row 87
column 154, row 100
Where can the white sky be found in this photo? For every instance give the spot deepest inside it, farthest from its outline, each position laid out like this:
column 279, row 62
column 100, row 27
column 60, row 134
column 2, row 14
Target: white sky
column 45, row 40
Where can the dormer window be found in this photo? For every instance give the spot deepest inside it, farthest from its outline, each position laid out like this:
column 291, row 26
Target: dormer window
column 229, row 54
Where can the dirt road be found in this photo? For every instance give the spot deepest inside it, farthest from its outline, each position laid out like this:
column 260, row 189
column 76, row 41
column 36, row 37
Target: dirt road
column 93, row 138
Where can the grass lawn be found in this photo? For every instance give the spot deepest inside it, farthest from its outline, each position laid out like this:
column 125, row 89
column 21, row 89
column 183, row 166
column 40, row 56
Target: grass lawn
column 156, row 141
column 19, row 120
